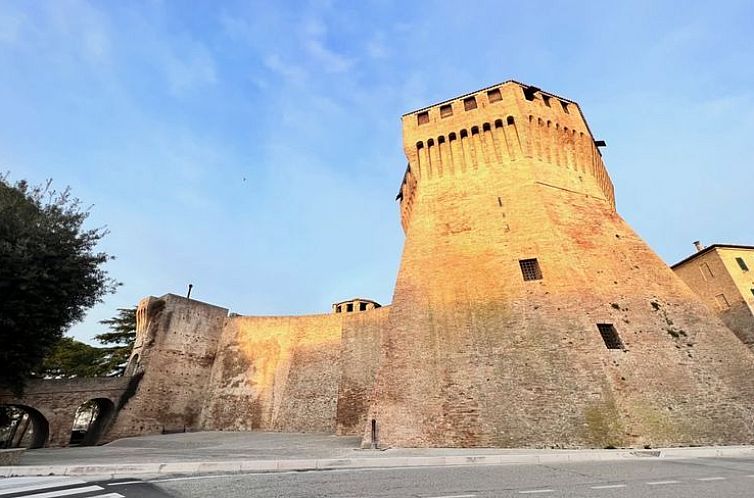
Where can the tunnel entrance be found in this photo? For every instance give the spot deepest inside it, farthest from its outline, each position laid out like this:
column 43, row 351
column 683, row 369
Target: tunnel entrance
column 22, row 426
column 90, row 421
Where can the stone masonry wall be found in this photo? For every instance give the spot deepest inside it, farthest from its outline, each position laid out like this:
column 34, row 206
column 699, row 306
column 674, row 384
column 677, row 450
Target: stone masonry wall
column 474, row 355
column 177, row 349
column 360, row 354
column 276, row 373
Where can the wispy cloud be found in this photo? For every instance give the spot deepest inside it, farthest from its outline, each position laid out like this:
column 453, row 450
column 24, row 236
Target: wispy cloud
column 189, row 67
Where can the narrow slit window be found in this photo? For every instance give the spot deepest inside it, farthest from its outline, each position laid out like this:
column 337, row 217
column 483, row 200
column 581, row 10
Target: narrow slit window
column 338, row 309
column 446, row 110
column 752, row 291
column 546, row 100
column 422, row 118
column 494, row 95
column 530, row 269
column 742, row 264
column 469, row 103
column 565, row 107
column 610, row 336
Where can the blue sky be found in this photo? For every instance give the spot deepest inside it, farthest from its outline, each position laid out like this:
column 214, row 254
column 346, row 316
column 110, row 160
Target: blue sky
column 253, row 148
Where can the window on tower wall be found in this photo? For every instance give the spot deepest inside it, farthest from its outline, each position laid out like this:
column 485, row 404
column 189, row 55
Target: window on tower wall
column 610, row 336
column 446, row 110
column 422, row 117
column 530, row 269
column 494, row 95
column 742, row 264
column 469, row 103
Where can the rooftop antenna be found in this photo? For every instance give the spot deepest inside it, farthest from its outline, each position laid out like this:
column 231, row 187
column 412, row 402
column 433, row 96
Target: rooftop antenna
column 188, row 294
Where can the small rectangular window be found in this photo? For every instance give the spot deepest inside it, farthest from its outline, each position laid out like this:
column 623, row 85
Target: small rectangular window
column 338, row 309
column 446, row 110
column 610, row 336
column 349, row 307
column 742, row 264
column 362, row 306
column 565, row 107
column 530, row 269
column 422, row 117
column 706, row 271
column 722, row 302
column 546, row 100
column 469, row 103
column 494, row 95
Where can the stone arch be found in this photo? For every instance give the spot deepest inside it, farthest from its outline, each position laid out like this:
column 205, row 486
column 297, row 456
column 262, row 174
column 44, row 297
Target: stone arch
column 100, row 412
column 464, row 133
column 33, row 425
column 475, row 130
column 498, row 123
column 486, row 127
column 452, row 136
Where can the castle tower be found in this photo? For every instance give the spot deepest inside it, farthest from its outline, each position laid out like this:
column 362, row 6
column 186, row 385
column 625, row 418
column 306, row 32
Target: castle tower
column 526, row 311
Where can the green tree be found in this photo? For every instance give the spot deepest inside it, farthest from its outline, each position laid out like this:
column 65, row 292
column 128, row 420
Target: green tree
column 120, row 338
column 71, row 358
column 50, row 274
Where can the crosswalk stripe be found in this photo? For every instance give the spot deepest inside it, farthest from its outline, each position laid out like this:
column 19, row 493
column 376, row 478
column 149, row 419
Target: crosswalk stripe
column 48, row 482
column 65, row 492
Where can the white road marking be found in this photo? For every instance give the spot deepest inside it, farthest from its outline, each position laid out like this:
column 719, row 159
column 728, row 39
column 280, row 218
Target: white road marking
column 659, row 483
column 609, row 486
column 452, row 496
column 534, row 491
column 711, row 479
column 45, row 483
column 65, row 492
column 124, row 483
column 109, row 495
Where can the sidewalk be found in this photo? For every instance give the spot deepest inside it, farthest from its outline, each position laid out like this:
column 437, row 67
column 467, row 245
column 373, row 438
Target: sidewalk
column 250, row 452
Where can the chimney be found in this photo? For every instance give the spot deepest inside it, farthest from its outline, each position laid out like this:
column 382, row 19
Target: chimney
column 699, row 246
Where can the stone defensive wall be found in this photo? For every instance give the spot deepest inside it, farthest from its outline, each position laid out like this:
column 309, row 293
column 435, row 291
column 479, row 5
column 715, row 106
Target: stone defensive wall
column 310, row 373
column 496, row 127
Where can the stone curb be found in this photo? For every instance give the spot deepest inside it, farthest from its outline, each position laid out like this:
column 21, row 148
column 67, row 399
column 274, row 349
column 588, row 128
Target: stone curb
column 150, row 470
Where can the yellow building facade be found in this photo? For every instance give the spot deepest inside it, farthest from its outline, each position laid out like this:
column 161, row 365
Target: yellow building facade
column 723, row 276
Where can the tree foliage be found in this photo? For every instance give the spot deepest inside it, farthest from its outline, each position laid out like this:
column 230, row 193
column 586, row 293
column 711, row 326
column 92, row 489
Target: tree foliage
column 120, row 339
column 71, row 358
column 50, row 274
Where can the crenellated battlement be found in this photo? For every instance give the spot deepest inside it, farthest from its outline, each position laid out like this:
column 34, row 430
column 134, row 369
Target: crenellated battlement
column 491, row 128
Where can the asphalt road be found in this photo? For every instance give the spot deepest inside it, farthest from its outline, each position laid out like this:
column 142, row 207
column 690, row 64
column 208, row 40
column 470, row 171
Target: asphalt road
column 718, row 477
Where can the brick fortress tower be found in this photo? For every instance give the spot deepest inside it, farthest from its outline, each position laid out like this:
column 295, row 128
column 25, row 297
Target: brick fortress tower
column 526, row 311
